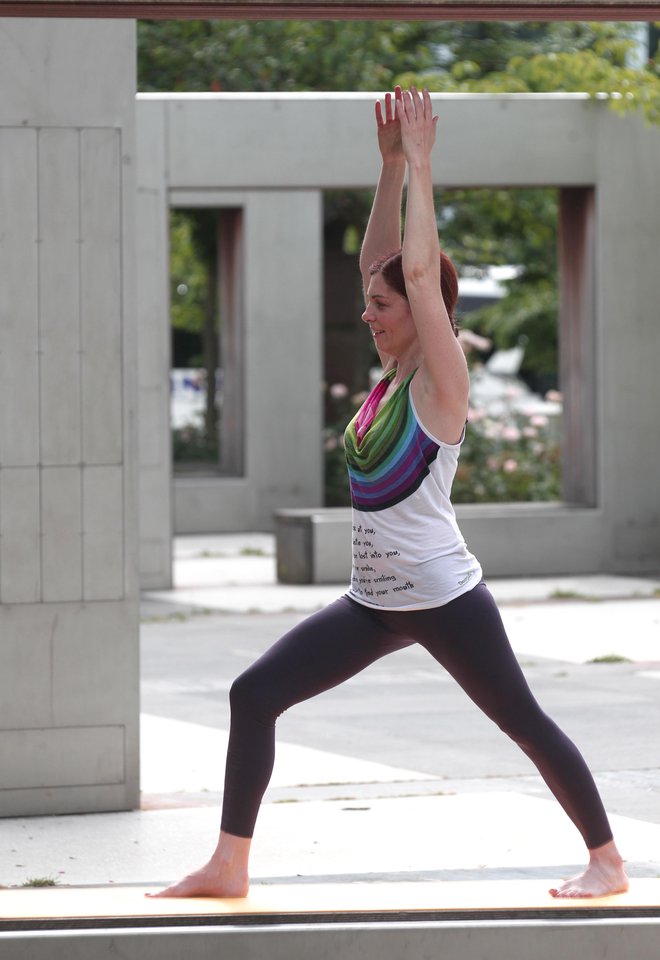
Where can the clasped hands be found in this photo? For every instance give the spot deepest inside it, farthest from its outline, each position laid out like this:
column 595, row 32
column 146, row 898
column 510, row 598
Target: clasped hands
column 406, row 126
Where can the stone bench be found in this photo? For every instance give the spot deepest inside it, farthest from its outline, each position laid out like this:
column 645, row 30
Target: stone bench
column 313, row 545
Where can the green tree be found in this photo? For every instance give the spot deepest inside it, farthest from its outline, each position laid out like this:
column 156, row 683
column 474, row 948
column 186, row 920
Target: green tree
column 482, row 228
column 589, row 58
column 519, row 227
column 188, row 276
column 279, row 55
column 194, row 295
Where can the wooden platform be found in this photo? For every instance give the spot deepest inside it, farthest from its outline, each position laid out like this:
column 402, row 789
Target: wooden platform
column 105, row 907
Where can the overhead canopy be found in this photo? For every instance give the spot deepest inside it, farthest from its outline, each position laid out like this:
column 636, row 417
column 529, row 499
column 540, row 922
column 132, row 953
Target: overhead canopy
column 338, row 9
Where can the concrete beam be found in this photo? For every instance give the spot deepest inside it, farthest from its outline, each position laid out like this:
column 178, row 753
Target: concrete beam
column 473, row 940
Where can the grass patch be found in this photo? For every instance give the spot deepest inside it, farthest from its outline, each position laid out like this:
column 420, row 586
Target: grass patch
column 253, row 552
column 574, row 595
column 610, row 658
column 178, row 616
column 40, row 882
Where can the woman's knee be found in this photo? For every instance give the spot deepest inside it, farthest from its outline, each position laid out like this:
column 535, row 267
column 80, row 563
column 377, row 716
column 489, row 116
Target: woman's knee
column 531, row 730
column 247, row 694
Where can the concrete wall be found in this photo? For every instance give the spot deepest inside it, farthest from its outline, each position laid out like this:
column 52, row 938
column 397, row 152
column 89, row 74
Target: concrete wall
column 274, row 154
column 68, row 549
column 282, row 362
column 281, row 304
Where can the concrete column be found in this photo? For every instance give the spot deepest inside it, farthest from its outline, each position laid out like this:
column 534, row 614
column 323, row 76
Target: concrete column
column 577, row 341
column 628, row 348
column 154, row 335
column 68, row 564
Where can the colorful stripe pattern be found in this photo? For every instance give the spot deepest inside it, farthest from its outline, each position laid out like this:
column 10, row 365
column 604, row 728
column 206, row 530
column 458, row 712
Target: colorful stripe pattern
column 393, row 458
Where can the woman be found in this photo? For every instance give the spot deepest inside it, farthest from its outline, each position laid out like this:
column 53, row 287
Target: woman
column 414, row 581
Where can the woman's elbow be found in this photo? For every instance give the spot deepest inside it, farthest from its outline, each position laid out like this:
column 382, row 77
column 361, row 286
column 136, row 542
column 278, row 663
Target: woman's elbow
column 420, row 273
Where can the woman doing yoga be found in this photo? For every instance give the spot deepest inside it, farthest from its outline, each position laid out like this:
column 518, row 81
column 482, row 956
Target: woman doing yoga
column 414, row 580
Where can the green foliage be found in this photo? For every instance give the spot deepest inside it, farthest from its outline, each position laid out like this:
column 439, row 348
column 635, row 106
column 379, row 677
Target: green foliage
column 289, row 55
column 610, row 658
column 189, row 278
column 588, row 58
column 499, row 227
column 40, row 882
column 526, row 315
column 192, row 445
column 342, row 407
column 279, row 55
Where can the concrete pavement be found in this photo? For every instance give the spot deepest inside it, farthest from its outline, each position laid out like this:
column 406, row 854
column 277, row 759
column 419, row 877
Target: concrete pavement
column 354, row 819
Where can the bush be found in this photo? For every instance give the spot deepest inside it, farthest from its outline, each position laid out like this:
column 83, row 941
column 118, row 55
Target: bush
column 341, row 407
column 512, row 458
column 191, row 445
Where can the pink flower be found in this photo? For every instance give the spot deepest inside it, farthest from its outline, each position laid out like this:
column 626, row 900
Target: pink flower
column 553, row 396
column 530, row 432
column 475, row 414
column 512, row 392
column 538, row 420
column 511, row 433
column 510, row 466
column 338, row 391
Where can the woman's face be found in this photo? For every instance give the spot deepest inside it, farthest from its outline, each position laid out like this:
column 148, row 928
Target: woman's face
column 389, row 318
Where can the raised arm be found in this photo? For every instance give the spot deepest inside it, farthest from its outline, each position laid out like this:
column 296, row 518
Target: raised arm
column 443, row 387
column 383, row 233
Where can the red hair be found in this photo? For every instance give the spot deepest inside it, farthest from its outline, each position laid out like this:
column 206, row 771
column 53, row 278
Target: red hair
column 391, row 267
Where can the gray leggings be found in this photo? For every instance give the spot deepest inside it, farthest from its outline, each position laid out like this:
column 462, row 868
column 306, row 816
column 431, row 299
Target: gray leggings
column 466, row 636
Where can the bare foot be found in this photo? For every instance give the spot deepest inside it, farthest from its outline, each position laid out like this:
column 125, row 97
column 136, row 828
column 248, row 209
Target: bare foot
column 604, row 876
column 207, row 882
column 224, row 876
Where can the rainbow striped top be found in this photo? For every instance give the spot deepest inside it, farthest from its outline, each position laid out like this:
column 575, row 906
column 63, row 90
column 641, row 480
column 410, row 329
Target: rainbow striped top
column 408, row 552
column 394, row 455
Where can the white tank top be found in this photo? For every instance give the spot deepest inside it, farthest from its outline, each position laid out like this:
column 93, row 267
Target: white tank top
column 408, row 552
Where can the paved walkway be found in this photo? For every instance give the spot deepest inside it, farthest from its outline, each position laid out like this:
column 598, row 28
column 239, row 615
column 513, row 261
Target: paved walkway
column 364, row 828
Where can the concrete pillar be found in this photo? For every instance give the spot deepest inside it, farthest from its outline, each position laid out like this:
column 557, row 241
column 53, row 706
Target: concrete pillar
column 68, row 584
column 154, row 334
column 577, row 341
column 628, row 347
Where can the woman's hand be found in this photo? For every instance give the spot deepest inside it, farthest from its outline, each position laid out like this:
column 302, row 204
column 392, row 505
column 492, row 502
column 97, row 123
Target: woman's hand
column 417, row 125
column 389, row 128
